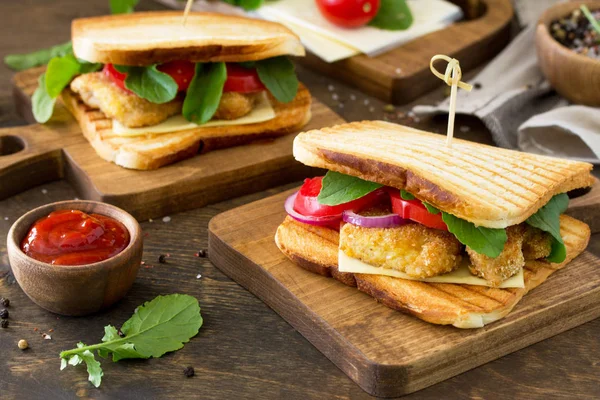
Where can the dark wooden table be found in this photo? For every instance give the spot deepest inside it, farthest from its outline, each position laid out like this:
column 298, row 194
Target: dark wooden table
column 244, row 349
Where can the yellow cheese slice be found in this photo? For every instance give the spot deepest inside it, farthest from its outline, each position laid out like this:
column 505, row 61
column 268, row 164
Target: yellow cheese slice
column 262, row 111
column 461, row 275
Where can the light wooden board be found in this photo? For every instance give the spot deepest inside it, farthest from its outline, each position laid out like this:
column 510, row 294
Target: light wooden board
column 401, row 75
column 59, row 150
column 384, row 351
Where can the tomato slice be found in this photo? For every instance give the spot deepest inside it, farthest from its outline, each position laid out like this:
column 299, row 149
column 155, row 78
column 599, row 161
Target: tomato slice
column 349, row 13
column 181, row 71
column 307, row 204
column 242, row 80
column 117, row 77
column 415, row 211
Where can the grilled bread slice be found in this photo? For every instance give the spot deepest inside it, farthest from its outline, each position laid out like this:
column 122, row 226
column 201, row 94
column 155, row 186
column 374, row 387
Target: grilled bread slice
column 487, row 186
column 146, row 38
column 464, row 306
column 153, row 151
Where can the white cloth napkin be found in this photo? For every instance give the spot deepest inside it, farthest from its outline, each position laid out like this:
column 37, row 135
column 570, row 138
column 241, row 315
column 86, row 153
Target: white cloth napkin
column 520, row 108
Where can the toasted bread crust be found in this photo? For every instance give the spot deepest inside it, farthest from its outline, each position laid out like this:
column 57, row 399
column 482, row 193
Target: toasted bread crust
column 205, row 38
column 487, row 186
column 464, row 306
column 172, row 147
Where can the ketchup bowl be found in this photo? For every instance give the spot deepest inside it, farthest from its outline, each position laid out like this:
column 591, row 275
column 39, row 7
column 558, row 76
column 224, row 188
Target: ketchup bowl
column 75, row 290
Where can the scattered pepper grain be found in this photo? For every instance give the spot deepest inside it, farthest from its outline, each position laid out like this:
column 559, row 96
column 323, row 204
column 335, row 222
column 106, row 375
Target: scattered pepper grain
column 4, row 313
column 162, row 259
column 4, row 302
column 4, row 323
column 189, row 372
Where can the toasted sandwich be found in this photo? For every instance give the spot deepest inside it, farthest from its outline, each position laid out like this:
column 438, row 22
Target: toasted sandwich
column 155, row 90
column 451, row 235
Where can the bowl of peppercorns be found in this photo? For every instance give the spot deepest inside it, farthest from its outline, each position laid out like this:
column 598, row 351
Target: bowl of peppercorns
column 567, row 40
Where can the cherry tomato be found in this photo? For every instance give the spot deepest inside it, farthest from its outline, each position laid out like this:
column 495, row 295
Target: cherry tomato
column 349, row 13
column 181, row 71
column 117, row 77
column 242, row 80
column 415, row 211
column 307, row 204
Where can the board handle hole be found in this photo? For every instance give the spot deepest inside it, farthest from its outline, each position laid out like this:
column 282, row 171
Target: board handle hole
column 11, row 145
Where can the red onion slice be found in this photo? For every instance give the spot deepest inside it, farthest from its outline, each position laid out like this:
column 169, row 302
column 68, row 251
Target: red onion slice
column 378, row 221
column 329, row 220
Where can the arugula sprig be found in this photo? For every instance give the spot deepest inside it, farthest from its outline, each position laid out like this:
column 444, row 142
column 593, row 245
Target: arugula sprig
column 19, row 62
column 547, row 219
column 393, row 15
column 204, row 93
column 339, row 188
column 246, row 4
column 149, row 83
column 155, row 328
column 58, row 75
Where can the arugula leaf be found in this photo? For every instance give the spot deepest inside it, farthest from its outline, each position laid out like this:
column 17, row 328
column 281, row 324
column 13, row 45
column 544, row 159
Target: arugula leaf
column 339, row 188
column 42, row 104
column 393, row 15
column 547, row 219
column 279, row 76
column 204, row 93
column 60, row 72
column 122, row 6
column 19, row 62
column 149, row 83
column 405, row 195
column 157, row 327
column 483, row 240
column 431, row 208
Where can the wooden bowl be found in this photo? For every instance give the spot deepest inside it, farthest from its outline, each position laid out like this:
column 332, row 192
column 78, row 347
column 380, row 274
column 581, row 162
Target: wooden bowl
column 574, row 76
column 75, row 289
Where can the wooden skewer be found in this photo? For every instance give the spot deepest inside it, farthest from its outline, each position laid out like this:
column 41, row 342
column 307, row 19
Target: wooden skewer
column 452, row 78
column 186, row 12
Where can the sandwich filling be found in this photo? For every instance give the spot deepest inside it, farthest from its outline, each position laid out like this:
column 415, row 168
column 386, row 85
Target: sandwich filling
column 388, row 231
column 176, row 95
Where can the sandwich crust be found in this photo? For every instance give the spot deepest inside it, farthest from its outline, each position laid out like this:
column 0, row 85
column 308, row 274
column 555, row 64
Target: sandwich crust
column 488, row 186
column 145, row 38
column 464, row 306
column 154, row 151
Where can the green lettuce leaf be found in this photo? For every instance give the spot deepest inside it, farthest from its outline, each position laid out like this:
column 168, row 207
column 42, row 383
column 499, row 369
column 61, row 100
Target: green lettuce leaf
column 393, row 15
column 279, row 76
column 157, row 327
column 204, row 93
column 483, row 240
column 547, row 219
column 340, row 188
column 19, row 62
column 149, row 83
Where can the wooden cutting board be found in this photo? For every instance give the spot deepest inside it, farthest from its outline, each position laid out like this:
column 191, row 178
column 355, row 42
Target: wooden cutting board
column 385, row 352
column 401, row 75
column 34, row 154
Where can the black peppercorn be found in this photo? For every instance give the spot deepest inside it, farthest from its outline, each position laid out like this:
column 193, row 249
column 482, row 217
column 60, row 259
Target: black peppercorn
column 4, row 302
column 162, row 259
column 189, row 372
column 477, row 85
column 4, row 323
column 4, row 313
column 202, row 253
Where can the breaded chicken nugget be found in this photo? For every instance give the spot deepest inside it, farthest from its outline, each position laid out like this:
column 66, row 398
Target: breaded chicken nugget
column 235, row 105
column 414, row 249
column 508, row 263
column 537, row 244
column 98, row 91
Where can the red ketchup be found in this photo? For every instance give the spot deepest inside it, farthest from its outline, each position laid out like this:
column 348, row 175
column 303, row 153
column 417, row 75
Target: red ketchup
column 72, row 237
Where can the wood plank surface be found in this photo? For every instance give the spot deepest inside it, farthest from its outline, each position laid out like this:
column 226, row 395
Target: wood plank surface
column 401, row 75
column 386, row 352
column 58, row 149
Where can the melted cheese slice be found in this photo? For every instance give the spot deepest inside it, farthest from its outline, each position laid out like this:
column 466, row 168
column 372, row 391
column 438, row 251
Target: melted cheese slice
column 262, row 111
column 461, row 275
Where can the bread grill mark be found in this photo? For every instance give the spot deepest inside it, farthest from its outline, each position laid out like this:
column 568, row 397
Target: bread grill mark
column 395, row 176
